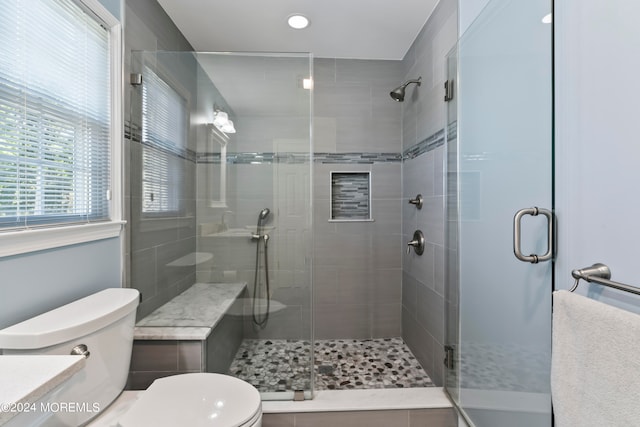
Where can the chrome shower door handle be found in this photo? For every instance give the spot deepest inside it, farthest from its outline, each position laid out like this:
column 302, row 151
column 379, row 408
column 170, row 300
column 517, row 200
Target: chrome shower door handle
column 517, row 238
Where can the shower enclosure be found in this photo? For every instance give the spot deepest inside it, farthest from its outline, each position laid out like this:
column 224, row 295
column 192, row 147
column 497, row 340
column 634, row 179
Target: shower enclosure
column 220, row 170
column 500, row 161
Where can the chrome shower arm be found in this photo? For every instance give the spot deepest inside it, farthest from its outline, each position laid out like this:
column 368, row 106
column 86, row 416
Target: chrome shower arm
column 417, row 81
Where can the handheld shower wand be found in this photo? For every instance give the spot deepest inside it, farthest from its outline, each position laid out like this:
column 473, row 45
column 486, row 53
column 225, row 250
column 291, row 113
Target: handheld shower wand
column 262, row 238
column 262, row 216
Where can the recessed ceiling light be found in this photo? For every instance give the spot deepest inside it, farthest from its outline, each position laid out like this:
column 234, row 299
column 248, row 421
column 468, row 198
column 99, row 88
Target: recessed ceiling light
column 297, row 21
column 547, row 19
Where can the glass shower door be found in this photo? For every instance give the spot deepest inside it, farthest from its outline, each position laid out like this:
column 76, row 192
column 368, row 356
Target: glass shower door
column 501, row 162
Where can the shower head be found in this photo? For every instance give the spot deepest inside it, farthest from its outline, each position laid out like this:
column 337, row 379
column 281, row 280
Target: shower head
column 398, row 93
column 262, row 216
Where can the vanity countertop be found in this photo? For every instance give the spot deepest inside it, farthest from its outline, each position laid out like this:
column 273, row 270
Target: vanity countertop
column 26, row 378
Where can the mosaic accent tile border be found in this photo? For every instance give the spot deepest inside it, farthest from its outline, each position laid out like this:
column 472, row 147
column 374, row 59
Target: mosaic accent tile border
column 284, row 365
column 428, row 144
column 134, row 133
column 254, row 158
column 452, row 130
column 296, row 158
column 208, row 158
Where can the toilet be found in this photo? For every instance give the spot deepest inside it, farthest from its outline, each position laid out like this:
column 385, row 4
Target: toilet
column 200, row 399
column 100, row 326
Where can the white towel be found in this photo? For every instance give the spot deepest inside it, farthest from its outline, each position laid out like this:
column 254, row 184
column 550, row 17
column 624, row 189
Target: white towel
column 595, row 363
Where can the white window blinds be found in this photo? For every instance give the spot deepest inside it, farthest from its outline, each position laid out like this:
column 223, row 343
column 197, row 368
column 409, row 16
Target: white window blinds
column 54, row 114
column 164, row 135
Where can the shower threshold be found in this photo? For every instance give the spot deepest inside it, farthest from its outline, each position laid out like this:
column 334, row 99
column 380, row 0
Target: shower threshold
column 283, row 365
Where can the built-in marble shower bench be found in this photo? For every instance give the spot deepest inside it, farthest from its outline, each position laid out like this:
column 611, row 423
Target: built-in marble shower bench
column 199, row 330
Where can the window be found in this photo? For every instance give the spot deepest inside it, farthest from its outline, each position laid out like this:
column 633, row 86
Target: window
column 57, row 121
column 54, row 115
column 164, row 138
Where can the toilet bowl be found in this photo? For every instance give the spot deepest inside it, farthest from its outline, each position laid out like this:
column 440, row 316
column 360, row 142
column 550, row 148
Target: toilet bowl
column 199, row 399
column 102, row 324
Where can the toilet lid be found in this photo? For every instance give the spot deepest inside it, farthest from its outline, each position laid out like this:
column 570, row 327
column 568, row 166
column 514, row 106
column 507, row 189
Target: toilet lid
column 198, row 400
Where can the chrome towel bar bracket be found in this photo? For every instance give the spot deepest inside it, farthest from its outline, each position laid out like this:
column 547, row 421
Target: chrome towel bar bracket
column 600, row 273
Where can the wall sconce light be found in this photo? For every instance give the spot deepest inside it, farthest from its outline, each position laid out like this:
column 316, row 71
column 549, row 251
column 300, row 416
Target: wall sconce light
column 221, row 121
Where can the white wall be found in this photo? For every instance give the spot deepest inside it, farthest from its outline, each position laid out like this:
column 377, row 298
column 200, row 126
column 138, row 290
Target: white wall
column 40, row 281
column 597, row 99
column 597, row 173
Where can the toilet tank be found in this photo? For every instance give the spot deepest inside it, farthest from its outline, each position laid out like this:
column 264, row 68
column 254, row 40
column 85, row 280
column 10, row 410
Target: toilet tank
column 103, row 322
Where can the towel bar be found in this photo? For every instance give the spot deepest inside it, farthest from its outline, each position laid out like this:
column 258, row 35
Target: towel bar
column 600, row 273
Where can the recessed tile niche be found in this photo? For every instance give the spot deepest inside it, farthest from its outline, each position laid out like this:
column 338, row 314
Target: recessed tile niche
column 350, row 196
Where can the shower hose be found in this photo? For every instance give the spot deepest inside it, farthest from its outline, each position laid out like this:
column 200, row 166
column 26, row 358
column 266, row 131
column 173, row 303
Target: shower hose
column 261, row 319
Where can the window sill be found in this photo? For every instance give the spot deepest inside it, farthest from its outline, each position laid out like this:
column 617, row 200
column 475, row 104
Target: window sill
column 24, row 241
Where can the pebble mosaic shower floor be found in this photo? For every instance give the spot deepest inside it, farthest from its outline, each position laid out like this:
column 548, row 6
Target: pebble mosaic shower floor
column 281, row 365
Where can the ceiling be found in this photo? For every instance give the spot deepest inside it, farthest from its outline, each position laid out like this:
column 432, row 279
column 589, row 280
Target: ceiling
column 362, row 29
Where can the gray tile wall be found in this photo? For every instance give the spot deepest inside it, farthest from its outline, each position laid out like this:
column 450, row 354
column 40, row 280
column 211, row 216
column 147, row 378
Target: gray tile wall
column 357, row 265
column 156, row 359
column 152, row 244
column 423, row 111
column 424, row 114
column 284, row 188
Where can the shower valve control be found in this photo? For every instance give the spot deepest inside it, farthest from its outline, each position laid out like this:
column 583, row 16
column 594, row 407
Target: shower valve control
column 417, row 243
